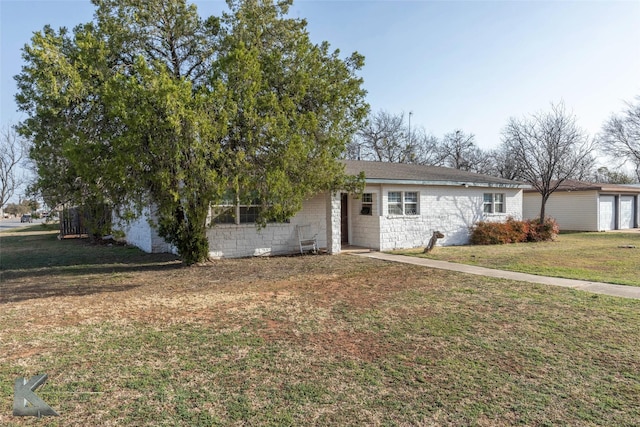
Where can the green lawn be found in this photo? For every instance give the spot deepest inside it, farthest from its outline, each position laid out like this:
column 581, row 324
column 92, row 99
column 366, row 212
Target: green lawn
column 600, row 257
column 132, row 339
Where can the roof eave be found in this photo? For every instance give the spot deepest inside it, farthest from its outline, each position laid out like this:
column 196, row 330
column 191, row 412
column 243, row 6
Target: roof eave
column 620, row 190
column 446, row 183
column 608, row 190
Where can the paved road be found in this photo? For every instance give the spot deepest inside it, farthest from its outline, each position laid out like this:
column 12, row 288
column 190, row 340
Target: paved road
column 9, row 223
column 583, row 285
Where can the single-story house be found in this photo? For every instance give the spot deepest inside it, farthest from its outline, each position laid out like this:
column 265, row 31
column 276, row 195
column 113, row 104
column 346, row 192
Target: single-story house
column 401, row 206
column 585, row 206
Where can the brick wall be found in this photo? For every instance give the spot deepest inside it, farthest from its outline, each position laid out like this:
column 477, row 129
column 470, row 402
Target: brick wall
column 140, row 233
column 233, row 241
column 450, row 210
column 332, row 221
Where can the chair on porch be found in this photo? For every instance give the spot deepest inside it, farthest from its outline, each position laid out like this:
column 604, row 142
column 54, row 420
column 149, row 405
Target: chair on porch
column 306, row 240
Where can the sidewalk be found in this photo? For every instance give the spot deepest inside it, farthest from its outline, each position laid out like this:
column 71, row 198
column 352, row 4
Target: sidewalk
column 583, row 285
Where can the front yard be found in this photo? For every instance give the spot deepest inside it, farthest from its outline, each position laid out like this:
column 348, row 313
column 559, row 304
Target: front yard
column 134, row 339
column 612, row 257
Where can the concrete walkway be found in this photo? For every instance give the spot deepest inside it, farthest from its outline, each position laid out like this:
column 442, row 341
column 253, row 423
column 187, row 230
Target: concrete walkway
column 583, row 285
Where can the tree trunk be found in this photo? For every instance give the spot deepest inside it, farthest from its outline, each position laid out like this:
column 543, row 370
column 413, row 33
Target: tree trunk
column 543, row 207
column 185, row 228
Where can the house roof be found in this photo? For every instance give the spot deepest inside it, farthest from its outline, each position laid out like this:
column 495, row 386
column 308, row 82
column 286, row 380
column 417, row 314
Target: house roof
column 402, row 173
column 575, row 185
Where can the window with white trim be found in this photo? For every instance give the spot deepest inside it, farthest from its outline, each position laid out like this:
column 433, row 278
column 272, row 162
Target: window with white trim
column 411, row 203
column 367, row 204
column 494, row 203
column 232, row 212
column 402, row 202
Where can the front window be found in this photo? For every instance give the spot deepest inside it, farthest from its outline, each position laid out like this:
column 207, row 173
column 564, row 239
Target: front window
column 395, row 203
column 403, row 202
column 498, row 203
column 230, row 211
column 367, row 204
column 494, row 203
column 411, row 203
column 249, row 214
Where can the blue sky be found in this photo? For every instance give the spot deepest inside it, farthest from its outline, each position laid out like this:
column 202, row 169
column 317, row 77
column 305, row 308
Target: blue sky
column 456, row 65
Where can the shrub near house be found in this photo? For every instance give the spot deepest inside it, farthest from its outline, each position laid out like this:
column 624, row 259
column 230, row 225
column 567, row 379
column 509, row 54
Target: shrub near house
column 512, row 231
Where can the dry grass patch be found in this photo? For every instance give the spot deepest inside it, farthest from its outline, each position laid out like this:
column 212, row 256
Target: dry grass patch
column 135, row 339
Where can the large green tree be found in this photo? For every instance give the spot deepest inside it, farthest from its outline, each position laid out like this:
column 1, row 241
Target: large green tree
column 292, row 107
column 150, row 104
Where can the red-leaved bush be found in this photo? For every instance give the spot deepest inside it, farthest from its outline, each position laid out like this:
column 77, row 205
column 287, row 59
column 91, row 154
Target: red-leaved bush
column 512, row 231
column 545, row 232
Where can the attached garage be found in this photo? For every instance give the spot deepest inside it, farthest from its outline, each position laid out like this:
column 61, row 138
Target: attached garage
column 585, row 206
column 607, row 209
column 627, row 212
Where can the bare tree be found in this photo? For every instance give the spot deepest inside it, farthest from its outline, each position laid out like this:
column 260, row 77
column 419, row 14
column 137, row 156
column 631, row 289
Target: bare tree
column 504, row 164
column 12, row 151
column 458, row 150
column 585, row 170
column 606, row 176
column 549, row 148
column 384, row 138
column 620, row 137
column 387, row 138
column 426, row 148
column 482, row 162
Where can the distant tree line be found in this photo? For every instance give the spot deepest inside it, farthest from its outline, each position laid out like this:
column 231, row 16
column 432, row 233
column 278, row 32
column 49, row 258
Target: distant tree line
column 23, row 207
column 543, row 149
column 553, row 136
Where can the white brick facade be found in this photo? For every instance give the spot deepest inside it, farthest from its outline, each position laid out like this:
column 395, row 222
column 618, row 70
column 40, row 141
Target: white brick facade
column 451, row 210
column 332, row 219
column 233, row 241
column 141, row 234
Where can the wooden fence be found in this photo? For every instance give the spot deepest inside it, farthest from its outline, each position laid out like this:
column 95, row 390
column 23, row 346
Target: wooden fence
column 79, row 221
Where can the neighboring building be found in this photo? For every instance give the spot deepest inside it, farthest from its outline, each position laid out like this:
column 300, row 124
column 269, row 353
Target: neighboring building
column 585, row 206
column 401, row 206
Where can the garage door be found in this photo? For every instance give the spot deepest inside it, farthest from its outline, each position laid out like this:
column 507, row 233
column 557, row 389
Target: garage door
column 627, row 212
column 607, row 213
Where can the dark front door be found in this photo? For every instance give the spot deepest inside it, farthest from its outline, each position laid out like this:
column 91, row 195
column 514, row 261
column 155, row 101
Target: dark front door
column 344, row 218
